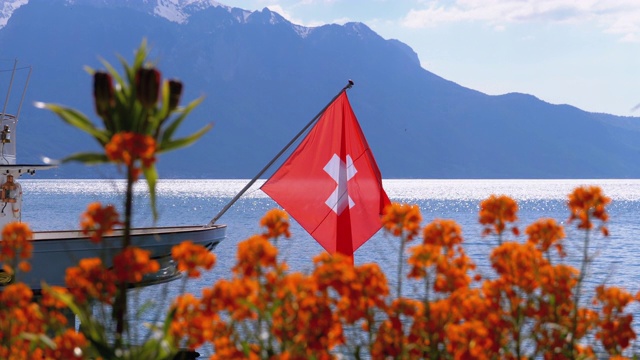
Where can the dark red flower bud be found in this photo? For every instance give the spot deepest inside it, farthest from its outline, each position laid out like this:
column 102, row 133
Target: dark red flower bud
column 103, row 93
column 148, row 87
column 175, row 92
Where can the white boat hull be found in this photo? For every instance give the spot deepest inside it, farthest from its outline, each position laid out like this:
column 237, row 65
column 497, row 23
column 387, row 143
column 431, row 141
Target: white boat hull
column 55, row 251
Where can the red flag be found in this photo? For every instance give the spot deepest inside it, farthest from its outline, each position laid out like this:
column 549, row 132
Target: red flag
column 331, row 184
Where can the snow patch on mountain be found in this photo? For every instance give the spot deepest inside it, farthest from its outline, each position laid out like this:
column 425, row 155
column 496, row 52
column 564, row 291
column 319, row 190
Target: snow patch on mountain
column 177, row 11
column 302, row 31
column 169, row 10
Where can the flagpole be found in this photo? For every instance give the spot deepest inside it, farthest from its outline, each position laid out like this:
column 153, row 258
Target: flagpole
column 255, row 178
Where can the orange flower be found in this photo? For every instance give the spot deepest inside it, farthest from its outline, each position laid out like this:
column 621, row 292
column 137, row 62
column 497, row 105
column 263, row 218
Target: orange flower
column 20, row 316
column 469, row 340
column 587, row 203
column 615, row 327
column 98, row 221
column 496, row 212
column 127, row 147
column 558, row 281
column 91, row 280
column 427, row 335
column 446, row 233
column 49, row 299
column 334, row 271
column 254, row 253
column 190, row 257
column 544, row 233
column 16, row 295
column 277, row 223
column 303, row 320
column 442, row 250
column 16, row 244
column 189, row 323
column 68, row 345
column 452, row 273
column 421, row 258
column 132, row 264
column 231, row 296
column 361, row 288
column 402, row 220
column 391, row 340
column 518, row 264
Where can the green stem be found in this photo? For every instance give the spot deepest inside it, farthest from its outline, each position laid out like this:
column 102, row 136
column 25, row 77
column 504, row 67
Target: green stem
column 581, row 276
column 120, row 306
column 400, row 263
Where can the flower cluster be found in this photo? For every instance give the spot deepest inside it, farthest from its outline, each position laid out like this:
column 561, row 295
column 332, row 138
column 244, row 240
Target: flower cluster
column 276, row 223
column 496, row 212
column 98, row 221
column 91, row 280
column 191, row 257
column 128, row 147
column 586, row 204
column 16, row 247
column 132, row 264
column 402, row 220
column 24, row 323
column 529, row 308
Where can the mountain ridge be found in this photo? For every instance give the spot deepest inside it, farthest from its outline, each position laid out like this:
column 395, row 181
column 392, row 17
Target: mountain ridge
column 265, row 77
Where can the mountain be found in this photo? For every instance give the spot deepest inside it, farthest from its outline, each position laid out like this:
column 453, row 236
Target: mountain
column 264, row 78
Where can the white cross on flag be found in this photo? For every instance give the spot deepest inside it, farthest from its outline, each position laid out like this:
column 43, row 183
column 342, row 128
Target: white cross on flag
column 331, row 184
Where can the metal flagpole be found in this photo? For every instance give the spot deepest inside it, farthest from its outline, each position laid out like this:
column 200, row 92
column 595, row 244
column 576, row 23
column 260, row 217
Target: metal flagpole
column 255, row 178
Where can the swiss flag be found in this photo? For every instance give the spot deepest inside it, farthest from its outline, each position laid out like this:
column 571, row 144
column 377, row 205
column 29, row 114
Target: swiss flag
column 331, row 184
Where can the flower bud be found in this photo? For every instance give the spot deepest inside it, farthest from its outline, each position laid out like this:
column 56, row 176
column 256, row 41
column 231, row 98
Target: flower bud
column 147, row 87
column 175, row 92
column 103, row 93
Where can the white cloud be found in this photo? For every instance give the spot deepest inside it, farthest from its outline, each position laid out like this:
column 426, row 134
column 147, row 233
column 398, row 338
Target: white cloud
column 280, row 10
column 341, row 21
column 286, row 14
column 618, row 17
column 7, row 8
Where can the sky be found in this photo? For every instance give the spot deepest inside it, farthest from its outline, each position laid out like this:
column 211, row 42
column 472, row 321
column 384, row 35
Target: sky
column 584, row 53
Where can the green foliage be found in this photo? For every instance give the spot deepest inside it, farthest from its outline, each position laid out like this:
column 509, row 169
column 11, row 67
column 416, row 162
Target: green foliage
column 139, row 102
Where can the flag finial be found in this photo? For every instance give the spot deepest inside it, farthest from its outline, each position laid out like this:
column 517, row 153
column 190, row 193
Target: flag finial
column 349, row 85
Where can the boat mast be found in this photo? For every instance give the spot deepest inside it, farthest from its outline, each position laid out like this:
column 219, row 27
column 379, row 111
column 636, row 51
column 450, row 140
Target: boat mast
column 24, row 92
column 6, row 101
column 255, row 178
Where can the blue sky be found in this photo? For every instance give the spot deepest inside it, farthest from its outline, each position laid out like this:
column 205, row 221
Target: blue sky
column 585, row 53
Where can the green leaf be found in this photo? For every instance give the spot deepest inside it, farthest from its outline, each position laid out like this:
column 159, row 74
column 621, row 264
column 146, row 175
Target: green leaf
column 89, row 70
column 90, row 327
column 39, row 339
column 87, row 158
column 78, row 120
column 182, row 142
column 168, row 320
column 164, row 109
column 141, row 55
column 113, row 72
column 154, row 349
column 168, row 133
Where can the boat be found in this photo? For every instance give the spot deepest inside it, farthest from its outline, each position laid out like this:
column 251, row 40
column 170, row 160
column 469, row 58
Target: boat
column 55, row 251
